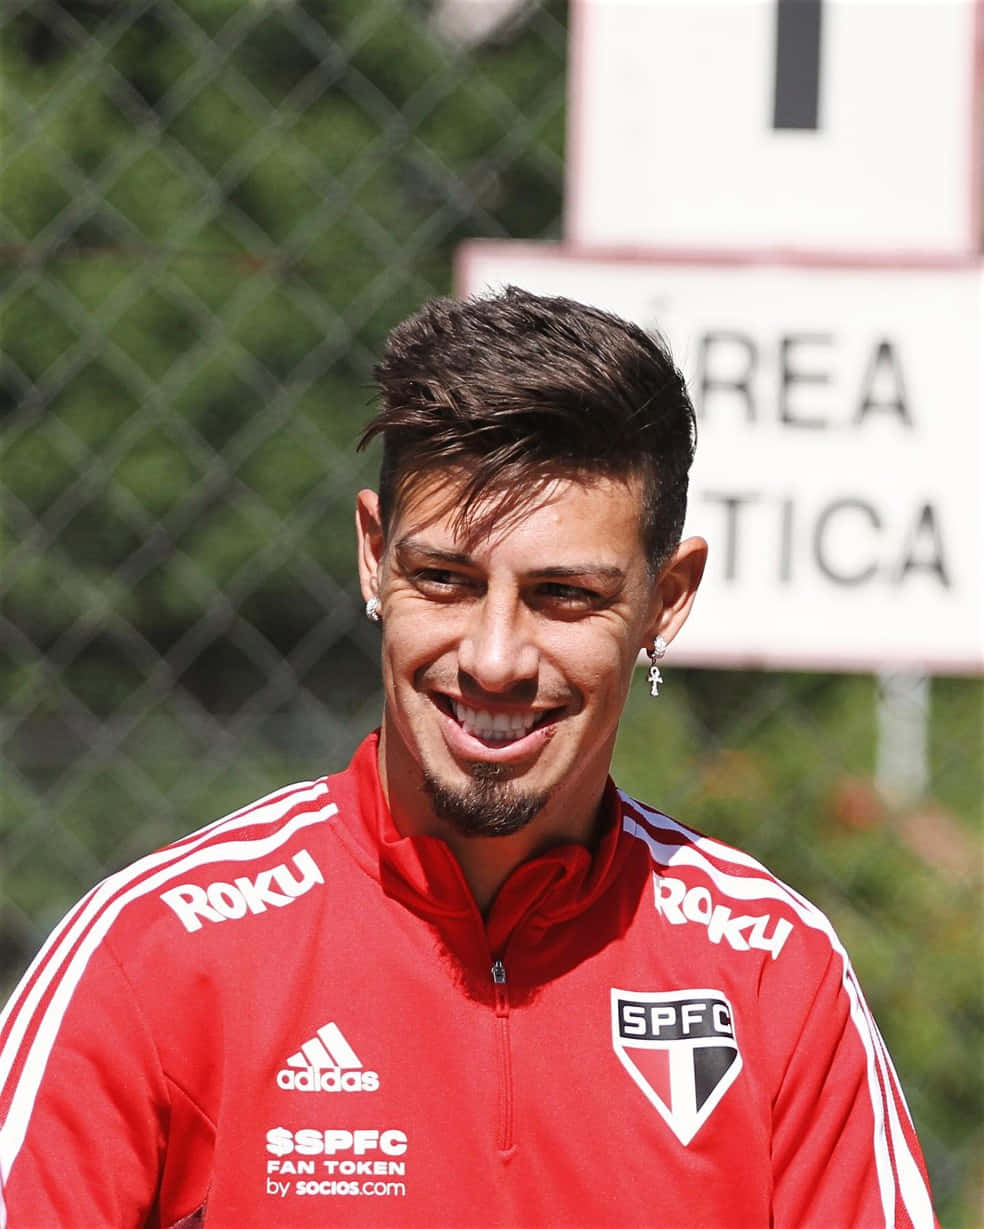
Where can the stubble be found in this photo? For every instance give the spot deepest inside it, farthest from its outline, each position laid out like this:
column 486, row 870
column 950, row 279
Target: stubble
column 490, row 806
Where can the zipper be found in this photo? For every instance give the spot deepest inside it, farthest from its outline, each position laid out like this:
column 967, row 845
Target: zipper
column 504, row 1127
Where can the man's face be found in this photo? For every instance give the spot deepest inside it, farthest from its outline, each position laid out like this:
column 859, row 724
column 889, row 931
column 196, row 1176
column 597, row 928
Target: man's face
column 507, row 659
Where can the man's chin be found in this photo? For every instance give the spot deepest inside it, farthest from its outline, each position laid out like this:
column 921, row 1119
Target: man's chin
column 486, row 806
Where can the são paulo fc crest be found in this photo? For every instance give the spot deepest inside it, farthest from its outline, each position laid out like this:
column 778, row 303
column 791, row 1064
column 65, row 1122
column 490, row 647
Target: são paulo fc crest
column 680, row 1049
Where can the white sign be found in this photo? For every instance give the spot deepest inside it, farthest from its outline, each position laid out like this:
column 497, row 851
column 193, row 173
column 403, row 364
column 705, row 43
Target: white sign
column 835, row 126
column 840, row 453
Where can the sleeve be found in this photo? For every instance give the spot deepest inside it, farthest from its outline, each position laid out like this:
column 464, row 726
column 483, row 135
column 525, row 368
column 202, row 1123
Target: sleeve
column 84, row 1105
column 845, row 1150
column 92, row 1131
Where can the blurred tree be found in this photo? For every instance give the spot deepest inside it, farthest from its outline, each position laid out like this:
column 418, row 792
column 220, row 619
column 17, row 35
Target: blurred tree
column 212, row 214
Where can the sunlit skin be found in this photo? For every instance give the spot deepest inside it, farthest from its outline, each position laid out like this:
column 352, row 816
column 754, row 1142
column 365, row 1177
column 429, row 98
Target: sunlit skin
column 539, row 623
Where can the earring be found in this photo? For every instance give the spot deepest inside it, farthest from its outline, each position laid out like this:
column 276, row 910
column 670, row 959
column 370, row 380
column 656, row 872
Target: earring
column 655, row 653
column 372, row 610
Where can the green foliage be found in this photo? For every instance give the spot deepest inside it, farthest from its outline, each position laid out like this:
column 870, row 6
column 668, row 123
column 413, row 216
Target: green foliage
column 214, row 214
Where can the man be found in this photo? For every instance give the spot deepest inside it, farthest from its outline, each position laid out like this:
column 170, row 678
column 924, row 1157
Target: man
column 467, row 981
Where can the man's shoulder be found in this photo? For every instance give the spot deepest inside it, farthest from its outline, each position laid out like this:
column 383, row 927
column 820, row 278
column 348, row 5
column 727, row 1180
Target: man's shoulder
column 258, row 857
column 254, row 861
column 214, row 914
column 732, row 897
column 673, row 843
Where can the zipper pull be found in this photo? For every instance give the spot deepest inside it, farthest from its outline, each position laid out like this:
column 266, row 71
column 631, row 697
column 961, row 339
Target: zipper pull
column 499, row 973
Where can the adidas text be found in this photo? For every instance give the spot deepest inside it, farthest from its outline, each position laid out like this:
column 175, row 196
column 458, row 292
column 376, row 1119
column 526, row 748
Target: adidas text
column 221, row 901
column 678, row 905
column 330, row 1080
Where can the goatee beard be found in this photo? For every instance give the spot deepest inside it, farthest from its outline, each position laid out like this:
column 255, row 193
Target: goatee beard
column 491, row 806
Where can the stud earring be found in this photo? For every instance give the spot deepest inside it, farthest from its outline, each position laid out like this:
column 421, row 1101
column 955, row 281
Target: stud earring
column 655, row 653
column 372, row 610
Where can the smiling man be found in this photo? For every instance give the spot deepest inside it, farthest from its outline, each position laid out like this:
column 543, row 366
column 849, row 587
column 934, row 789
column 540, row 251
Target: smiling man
column 468, row 981
column 509, row 645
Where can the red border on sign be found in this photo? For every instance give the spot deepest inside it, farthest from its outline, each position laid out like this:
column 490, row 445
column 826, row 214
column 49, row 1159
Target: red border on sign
column 823, row 663
column 562, row 251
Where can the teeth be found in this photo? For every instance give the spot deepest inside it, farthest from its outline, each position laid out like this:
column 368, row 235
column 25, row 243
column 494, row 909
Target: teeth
column 498, row 727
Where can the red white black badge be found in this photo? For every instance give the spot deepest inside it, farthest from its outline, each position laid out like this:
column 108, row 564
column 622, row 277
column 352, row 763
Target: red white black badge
column 680, row 1049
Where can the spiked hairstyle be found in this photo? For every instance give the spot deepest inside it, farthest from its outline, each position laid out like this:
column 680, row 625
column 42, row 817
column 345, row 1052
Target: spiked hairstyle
column 512, row 390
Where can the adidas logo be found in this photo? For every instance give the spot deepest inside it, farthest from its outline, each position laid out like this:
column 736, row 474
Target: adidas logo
column 326, row 1063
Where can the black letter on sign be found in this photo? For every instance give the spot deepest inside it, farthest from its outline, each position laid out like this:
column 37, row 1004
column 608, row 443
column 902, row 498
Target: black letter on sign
column 925, row 526
column 741, row 369
column 786, row 543
column 842, row 578
column 797, row 93
column 791, row 377
column 884, row 370
column 732, row 505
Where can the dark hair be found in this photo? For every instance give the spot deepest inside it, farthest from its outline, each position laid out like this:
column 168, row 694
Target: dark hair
column 515, row 389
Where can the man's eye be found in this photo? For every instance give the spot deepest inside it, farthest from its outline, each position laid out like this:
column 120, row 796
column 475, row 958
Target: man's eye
column 567, row 595
column 440, row 580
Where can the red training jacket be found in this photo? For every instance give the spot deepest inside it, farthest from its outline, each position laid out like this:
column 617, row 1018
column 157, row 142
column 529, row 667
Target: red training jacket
column 298, row 1017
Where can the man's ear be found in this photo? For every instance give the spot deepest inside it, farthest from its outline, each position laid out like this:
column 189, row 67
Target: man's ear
column 676, row 587
column 369, row 536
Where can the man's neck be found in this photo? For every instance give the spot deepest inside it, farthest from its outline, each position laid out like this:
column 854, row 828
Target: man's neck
column 487, row 861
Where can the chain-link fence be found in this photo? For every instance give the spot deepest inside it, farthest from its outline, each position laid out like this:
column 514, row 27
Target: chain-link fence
column 212, row 212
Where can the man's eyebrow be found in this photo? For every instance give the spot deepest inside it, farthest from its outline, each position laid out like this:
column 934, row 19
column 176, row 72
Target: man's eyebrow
column 412, row 545
column 602, row 571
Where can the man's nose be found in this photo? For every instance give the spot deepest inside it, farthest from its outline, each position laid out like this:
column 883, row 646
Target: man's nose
column 498, row 649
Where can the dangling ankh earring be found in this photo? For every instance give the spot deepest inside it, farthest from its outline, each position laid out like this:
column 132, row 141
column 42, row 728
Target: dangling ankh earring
column 655, row 653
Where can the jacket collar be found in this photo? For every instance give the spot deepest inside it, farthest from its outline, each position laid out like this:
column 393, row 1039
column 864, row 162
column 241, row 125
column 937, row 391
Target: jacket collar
column 423, row 873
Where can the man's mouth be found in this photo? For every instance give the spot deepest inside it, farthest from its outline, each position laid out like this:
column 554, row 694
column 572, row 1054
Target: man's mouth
column 496, row 729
